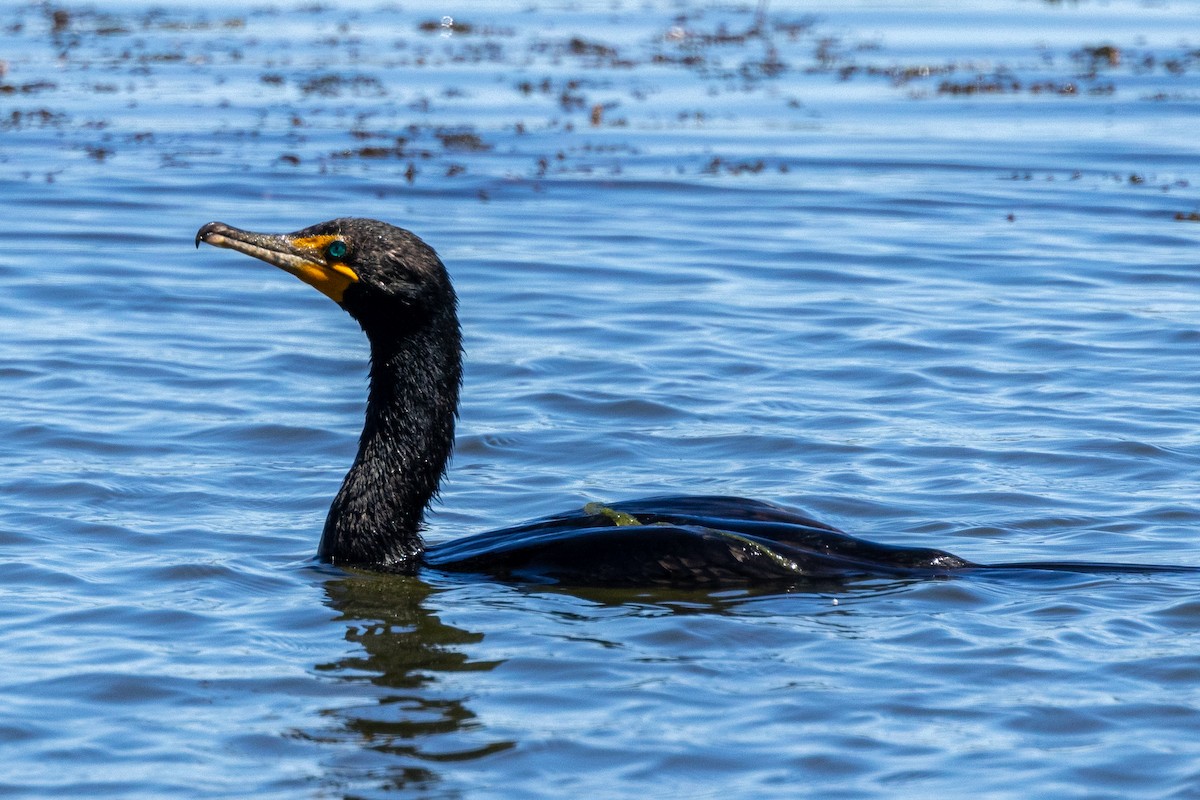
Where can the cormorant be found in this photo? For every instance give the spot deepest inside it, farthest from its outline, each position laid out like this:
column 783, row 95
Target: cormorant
column 397, row 289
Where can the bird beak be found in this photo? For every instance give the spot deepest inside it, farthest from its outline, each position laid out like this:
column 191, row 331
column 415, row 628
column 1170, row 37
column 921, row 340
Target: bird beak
column 303, row 256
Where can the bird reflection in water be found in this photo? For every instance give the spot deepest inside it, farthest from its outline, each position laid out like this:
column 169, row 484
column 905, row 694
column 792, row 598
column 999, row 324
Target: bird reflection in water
column 401, row 650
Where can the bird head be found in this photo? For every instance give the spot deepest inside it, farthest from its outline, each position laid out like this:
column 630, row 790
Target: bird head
column 382, row 275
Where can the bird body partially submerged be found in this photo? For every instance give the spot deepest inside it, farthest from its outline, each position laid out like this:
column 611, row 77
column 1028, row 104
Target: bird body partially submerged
column 398, row 290
column 682, row 540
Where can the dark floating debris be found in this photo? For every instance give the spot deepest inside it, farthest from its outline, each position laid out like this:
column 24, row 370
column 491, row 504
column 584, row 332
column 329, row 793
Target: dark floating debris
column 38, row 118
column 718, row 165
column 980, row 85
column 27, row 88
column 582, row 47
column 1105, row 55
column 335, row 85
column 446, row 25
column 462, row 141
column 372, row 152
column 356, row 87
column 60, row 20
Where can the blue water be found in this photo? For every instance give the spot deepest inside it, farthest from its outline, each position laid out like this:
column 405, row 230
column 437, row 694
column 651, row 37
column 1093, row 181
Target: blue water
column 917, row 271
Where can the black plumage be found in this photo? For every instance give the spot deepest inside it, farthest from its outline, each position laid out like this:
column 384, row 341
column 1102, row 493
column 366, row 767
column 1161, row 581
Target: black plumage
column 398, row 290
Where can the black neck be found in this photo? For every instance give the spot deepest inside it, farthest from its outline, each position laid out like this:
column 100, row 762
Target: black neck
column 375, row 520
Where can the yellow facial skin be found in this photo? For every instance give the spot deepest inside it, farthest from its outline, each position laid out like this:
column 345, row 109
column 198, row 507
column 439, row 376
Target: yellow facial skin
column 330, row 277
column 303, row 256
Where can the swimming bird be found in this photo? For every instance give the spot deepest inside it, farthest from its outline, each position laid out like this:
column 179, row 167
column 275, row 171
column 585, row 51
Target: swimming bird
column 397, row 289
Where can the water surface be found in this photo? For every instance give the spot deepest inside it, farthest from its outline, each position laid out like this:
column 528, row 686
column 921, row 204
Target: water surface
column 928, row 274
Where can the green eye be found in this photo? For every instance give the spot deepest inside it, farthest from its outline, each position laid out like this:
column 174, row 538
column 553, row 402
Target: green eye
column 336, row 249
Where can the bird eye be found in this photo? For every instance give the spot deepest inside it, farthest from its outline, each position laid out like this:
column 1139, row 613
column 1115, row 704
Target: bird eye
column 336, row 249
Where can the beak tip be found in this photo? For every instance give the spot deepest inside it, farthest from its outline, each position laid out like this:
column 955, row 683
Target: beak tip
column 208, row 229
